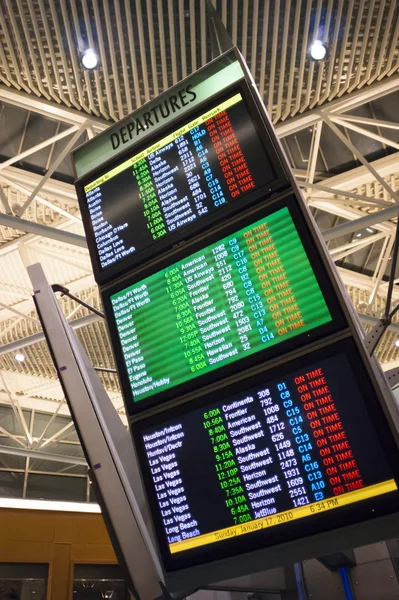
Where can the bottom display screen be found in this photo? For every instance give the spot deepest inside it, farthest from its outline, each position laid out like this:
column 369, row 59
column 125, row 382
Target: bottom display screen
column 280, row 452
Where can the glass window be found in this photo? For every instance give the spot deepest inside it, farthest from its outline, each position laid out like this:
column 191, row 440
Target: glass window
column 99, row 582
column 53, row 487
column 23, row 581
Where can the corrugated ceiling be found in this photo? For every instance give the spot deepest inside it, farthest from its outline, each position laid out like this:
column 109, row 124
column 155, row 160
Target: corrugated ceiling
column 147, row 46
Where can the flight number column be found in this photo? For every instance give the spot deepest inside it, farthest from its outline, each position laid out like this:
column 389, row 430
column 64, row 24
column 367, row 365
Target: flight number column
column 287, row 454
column 194, row 180
column 236, row 304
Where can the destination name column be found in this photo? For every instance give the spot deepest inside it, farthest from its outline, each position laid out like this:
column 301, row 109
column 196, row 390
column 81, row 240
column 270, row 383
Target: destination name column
column 164, row 448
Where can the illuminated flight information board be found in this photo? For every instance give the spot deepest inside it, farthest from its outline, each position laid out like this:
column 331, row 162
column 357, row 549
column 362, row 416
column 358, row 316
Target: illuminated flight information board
column 258, row 463
column 206, row 164
column 245, row 293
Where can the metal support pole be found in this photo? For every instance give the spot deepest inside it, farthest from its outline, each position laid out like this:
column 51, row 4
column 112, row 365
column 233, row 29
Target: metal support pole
column 220, row 39
column 65, row 292
column 300, row 581
column 346, row 584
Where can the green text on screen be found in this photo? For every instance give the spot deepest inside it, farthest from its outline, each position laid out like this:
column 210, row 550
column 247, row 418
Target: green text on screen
column 245, row 293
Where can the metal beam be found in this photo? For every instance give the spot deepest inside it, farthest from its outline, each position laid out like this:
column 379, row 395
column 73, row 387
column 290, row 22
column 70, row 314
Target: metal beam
column 62, row 191
column 50, row 110
column 354, row 246
column 314, row 152
column 11, row 436
column 4, row 201
column 72, row 460
column 381, row 266
column 51, row 140
column 74, row 117
column 55, row 437
column 13, row 184
column 368, row 121
column 39, row 337
column 370, row 320
column 362, row 223
column 348, row 102
column 43, row 231
column 54, row 165
column 361, row 158
column 349, row 180
column 17, row 409
column 20, row 314
column 49, row 423
column 370, row 134
column 344, row 193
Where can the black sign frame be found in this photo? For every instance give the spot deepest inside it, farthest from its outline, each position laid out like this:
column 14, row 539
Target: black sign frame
column 186, row 233
column 324, row 522
column 338, row 321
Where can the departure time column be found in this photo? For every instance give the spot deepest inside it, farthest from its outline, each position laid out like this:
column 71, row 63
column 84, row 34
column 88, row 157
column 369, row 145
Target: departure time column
column 147, row 194
column 226, row 467
column 186, row 325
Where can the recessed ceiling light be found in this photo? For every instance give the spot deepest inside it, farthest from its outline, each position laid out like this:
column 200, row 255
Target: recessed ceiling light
column 20, row 357
column 89, row 59
column 369, row 230
column 397, row 343
column 318, row 50
column 358, row 234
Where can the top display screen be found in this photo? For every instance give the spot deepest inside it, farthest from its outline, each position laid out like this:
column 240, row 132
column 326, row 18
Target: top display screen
column 207, row 164
column 248, row 292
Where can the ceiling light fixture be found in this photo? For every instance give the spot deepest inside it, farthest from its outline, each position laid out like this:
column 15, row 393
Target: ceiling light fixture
column 318, row 50
column 397, row 343
column 89, row 59
column 358, row 234
column 83, row 507
column 20, row 357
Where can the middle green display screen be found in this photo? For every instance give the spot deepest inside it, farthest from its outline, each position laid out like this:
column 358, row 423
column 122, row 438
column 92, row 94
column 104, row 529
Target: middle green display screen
column 248, row 292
